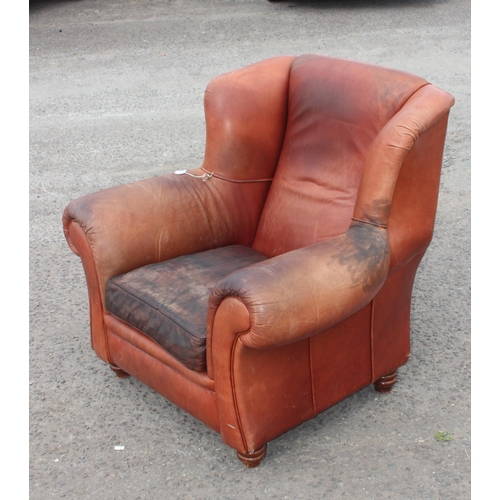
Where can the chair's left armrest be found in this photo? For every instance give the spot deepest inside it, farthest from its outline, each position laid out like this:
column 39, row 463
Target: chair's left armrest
column 120, row 229
column 304, row 292
column 157, row 219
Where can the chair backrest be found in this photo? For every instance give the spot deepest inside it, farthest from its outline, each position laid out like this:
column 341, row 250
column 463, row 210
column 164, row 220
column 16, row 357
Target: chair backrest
column 336, row 109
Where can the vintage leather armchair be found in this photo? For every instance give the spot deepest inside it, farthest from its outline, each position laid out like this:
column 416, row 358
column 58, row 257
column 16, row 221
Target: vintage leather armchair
column 275, row 280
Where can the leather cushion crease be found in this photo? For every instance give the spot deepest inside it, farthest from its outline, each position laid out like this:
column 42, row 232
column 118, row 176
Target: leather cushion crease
column 168, row 301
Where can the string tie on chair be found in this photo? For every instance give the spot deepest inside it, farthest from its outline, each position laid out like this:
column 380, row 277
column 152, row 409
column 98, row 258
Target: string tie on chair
column 208, row 175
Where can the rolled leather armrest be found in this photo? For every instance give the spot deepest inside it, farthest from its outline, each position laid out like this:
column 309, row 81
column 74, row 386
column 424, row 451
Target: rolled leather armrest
column 156, row 219
column 304, row 292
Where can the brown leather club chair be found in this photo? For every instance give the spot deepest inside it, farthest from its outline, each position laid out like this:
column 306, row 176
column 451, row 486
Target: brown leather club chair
column 275, row 280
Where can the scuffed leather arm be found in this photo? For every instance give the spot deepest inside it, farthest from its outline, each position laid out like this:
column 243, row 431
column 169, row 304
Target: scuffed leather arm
column 301, row 293
column 156, row 219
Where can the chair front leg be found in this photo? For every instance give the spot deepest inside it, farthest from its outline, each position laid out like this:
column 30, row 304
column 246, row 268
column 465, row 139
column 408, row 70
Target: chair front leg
column 253, row 459
column 384, row 384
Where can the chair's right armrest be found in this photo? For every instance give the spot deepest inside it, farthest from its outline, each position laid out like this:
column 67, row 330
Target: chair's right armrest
column 301, row 293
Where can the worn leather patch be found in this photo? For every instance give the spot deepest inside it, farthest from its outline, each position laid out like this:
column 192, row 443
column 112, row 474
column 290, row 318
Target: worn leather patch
column 168, row 301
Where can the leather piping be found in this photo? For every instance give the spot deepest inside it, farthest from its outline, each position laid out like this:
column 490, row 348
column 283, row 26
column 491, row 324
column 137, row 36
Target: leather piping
column 95, row 276
column 233, row 390
column 281, row 146
column 164, row 364
column 313, row 396
column 235, row 401
column 108, row 314
column 372, row 323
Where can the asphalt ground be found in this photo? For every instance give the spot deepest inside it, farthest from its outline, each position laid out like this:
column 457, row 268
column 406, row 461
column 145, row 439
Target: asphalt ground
column 116, row 95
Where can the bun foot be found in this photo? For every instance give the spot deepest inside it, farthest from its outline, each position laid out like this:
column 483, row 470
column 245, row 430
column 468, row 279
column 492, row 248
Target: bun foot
column 385, row 383
column 119, row 372
column 251, row 460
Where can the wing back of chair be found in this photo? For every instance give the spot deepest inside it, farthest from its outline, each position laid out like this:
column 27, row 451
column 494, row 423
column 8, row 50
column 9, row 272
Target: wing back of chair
column 402, row 173
column 336, row 109
column 245, row 113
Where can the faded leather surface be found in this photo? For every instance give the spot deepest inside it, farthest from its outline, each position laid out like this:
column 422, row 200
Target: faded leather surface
column 414, row 203
column 168, row 301
column 301, row 293
column 246, row 114
column 272, row 389
column 329, row 312
column 80, row 244
column 192, row 397
column 404, row 146
column 161, row 218
column 341, row 359
column 336, row 109
column 391, row 323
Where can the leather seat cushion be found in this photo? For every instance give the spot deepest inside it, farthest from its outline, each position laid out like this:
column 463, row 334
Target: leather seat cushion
column 168, row 301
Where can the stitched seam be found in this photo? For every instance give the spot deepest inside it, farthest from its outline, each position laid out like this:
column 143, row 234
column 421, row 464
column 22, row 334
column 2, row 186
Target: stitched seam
column 102, row 302
column 233, row 384
column 159, row 311
column 280, row 150
column 235, row 399
column 171, row 345
column 372, row 321
column 164, row 364
column 313, row 395
column 409, row 97
column 287, row 114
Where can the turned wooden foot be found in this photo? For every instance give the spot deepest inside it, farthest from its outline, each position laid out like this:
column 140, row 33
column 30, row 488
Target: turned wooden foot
column 119, row 372
column 251, row 460
column 385, row 383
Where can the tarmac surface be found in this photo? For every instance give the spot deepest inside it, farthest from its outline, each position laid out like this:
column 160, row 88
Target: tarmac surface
column 116, row 95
